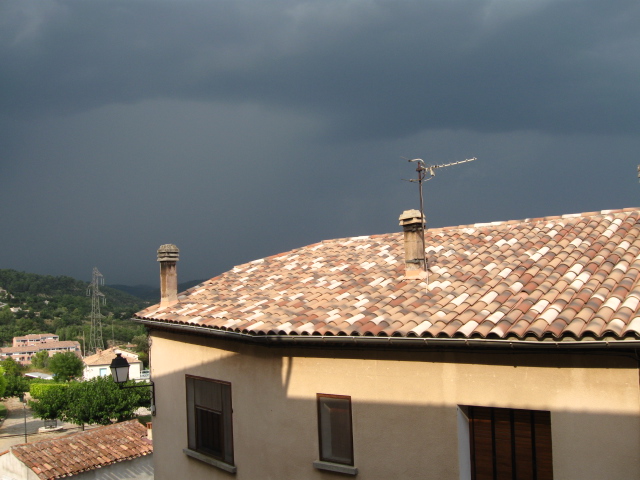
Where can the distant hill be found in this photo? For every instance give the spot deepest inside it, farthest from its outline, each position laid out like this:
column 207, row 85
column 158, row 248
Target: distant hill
column 152, row 294
column 31, row 303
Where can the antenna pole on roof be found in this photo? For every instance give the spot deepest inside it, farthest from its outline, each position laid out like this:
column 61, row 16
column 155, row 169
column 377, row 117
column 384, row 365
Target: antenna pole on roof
column 426, row 173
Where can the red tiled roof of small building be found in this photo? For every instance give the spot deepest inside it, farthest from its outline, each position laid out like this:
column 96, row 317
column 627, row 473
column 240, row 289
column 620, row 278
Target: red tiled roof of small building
column 571, row 277
column 105, row 357
column 83, row 451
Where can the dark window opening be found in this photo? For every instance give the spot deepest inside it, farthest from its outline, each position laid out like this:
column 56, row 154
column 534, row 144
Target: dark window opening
column 334, row 429
column 209, row 417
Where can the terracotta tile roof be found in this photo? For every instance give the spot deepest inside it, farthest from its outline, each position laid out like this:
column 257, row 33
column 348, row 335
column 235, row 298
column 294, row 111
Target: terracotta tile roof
column 83, row 451
column 571, row 277
column 105, row 357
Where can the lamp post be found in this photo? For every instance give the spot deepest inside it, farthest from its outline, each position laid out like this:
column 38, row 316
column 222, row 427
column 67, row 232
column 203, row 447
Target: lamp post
column 24, row 408
column 120, row 373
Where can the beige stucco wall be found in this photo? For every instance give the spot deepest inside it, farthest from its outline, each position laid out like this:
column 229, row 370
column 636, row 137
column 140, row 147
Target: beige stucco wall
column 405, row 420
column 13, row 469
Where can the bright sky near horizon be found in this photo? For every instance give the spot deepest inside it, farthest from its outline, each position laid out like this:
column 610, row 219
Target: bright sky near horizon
column 241, row 129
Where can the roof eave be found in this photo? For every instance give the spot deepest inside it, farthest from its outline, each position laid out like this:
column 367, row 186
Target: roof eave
column 393, row 342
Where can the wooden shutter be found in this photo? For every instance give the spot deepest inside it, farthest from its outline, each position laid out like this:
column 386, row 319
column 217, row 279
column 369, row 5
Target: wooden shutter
column 509, row 444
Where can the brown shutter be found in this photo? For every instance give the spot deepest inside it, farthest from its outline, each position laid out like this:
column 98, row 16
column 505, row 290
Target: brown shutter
column 544, row 464
column 509, row 444
column 481, row 443
column 503, row 442
column 523, row 445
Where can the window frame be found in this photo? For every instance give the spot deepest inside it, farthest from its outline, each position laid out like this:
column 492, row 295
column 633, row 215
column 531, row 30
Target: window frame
column 326, row 456
column 195, row 449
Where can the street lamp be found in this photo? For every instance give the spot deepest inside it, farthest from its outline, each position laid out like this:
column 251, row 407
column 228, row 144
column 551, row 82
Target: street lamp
column 119, row 369
column 120, row 373
column 24, row 407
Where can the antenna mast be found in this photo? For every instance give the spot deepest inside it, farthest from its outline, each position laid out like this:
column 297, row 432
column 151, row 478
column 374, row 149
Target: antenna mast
column 426, row 173
column 97, row 297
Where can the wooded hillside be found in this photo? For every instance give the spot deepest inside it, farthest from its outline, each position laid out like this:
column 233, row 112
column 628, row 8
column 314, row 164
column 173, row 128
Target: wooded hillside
column 62, row 305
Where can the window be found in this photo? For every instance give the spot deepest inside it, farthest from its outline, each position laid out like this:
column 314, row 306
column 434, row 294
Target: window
column 334, row 429
column 209, row 421
column 509, row 444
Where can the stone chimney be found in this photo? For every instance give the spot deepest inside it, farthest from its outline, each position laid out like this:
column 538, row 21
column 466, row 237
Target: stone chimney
column 168, row 257
column 412, row 224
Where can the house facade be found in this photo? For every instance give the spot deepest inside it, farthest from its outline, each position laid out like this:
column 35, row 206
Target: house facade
column 34, row 339
column 24, row 353
column 113, row 452
column 512, row 355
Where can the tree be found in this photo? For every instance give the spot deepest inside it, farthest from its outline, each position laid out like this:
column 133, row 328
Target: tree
column 66, row 366
column 3, row 382
column 16, row 384
column 51, row 403
column 142, row 347
column 100, row 401
column 40, row 359
column 11, row 367
column 96, row 401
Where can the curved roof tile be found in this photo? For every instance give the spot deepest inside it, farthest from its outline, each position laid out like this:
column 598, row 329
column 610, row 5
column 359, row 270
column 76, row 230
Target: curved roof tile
column 561, row 277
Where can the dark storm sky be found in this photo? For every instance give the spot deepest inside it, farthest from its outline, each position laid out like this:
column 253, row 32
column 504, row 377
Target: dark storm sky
column 241, row 129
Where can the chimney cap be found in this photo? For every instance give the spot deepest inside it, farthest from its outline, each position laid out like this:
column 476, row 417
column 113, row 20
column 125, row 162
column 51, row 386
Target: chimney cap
column 168, row 253
column 411, row 217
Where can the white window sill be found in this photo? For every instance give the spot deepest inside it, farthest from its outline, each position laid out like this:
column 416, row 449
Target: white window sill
column 211, row 461
column 335, row 467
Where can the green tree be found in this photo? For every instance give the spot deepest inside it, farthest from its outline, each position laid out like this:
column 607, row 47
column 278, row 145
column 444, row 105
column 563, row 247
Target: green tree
column 40, row 359
column 51, row 404
column 96, row 401
column 100, row 400
column 16, row 384
column 11, row 367
column 66, row 366
column 3, row 382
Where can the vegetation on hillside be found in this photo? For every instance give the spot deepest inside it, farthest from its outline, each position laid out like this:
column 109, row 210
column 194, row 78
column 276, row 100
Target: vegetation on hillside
column 61, row 305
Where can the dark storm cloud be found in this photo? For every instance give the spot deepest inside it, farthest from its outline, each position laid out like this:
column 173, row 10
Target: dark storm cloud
column 240, row 129
column 369, row 68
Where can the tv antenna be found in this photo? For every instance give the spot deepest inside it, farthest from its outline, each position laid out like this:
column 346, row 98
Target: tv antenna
column 426, row 173
column 97, row 297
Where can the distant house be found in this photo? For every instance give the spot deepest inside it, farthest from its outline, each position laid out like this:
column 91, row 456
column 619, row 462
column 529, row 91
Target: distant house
column 23, row 354
column 119, row 451
column 513, row 355
column 98, row 365
column 34, row 339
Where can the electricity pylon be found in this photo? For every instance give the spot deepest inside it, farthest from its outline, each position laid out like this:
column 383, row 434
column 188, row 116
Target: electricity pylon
column 97, row 297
